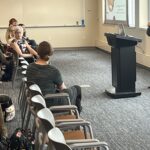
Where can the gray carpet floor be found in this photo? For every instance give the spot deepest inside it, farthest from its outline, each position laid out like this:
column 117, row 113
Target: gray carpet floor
column 123, row 123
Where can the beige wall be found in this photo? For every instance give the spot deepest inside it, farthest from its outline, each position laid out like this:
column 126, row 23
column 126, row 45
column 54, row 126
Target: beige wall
column 59, row 36
column 90, row 35
column 143, row 49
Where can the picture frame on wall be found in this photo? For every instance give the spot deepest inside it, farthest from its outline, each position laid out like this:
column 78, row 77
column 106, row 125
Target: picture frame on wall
column 116, row 12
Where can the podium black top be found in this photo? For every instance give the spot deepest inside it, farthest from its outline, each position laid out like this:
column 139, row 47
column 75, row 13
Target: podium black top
column 117, row 40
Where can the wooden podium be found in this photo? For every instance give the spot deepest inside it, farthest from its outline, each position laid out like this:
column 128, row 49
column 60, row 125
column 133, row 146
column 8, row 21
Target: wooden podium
column 123, row 59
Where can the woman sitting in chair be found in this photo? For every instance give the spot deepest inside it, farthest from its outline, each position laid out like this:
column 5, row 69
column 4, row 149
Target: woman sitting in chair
column 22, row 48
column 10, row 30
column 49, row 77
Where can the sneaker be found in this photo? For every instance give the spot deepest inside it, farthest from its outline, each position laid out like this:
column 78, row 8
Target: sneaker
column 10, row 113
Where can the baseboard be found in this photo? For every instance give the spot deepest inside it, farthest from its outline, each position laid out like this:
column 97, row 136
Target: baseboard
column 75, row 48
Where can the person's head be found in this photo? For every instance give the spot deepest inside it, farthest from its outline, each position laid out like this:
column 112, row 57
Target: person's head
column 24, row 29
column 148, row 24
column 13, row 22
column 11, row 30
column 18, row 32
column 45, row 50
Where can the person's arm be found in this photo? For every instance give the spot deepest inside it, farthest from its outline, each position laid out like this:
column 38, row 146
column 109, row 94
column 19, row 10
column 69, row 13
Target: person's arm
column 15, row 46
column 31, row 50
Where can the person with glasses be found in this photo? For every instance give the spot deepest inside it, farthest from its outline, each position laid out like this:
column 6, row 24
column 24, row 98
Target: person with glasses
column 21, row 46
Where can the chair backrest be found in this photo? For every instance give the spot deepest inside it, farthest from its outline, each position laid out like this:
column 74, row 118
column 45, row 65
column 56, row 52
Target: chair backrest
column 57, row 139
column 47, row 118
column 38, row 102
column 35, row 87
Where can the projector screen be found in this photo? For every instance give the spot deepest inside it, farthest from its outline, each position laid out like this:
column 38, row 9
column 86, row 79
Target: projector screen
column 116, row 11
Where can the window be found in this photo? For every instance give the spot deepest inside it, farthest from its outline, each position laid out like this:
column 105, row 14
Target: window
column 149, row 10
column 131, row 13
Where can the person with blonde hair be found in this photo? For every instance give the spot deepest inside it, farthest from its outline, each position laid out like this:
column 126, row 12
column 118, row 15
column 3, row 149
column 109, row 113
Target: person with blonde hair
column 10, row 34
column 21, row 46
column 10, row 30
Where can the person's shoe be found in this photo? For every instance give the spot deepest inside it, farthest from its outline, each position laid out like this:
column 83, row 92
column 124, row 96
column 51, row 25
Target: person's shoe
column 10, row 113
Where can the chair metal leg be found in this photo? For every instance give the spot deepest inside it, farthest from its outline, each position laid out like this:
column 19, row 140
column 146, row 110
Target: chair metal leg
column 28, row 119
column 22, row 90
column 24, row 113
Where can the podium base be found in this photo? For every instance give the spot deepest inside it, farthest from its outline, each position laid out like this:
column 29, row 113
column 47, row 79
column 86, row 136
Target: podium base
column 112, row 93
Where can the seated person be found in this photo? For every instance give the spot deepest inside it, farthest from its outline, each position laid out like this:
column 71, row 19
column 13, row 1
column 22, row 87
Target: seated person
column 49, row 78
column 12, row 24
column 31, row 42
column 21, row 46
column 10, row 35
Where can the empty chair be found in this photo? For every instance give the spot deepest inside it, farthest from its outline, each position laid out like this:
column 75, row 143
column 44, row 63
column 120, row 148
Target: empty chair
column 58, row 142
column 80, row 129
column 71, row 130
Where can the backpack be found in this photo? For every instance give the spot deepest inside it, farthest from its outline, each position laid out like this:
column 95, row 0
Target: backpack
column 22, row 140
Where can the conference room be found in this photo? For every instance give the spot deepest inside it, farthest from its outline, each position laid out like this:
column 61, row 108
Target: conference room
column 75, row 74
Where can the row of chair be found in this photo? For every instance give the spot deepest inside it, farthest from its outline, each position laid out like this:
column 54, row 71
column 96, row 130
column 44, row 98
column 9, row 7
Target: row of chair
column 57, row 127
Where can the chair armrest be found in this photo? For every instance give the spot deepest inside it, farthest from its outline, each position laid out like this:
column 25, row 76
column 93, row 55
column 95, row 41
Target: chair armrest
column 70, row 125
column 56, row 95
column 58, row 110
column 59, row 122
column 90, row 145
column 81, row 141
column 63, row 107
